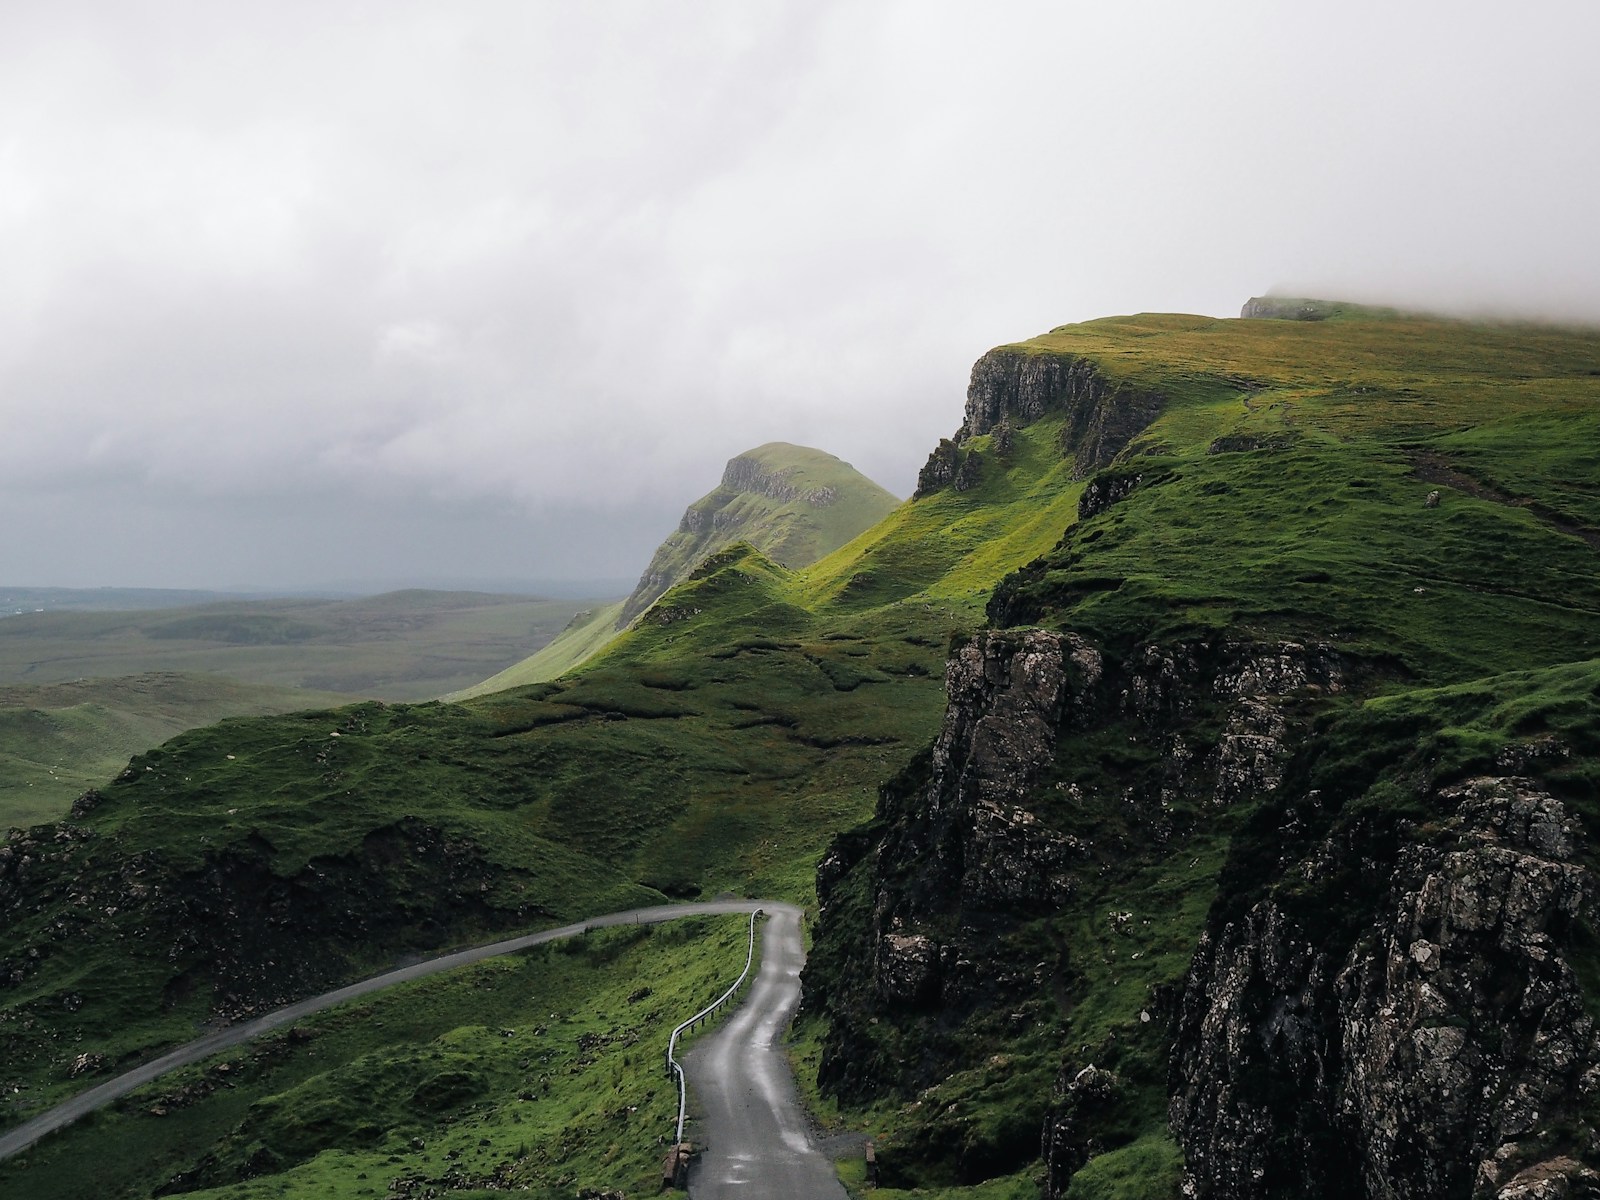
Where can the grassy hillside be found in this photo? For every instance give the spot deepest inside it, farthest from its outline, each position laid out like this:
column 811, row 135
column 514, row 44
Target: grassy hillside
column 583, row 637
column 694, row 755
column 527, row 1073
column 721, row 741
column 408, row 645
column 792, row 503
column 57, row 740
column 1391, row 491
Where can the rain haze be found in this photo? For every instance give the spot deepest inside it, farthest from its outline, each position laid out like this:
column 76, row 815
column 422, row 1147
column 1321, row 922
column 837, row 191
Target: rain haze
column 364, row 294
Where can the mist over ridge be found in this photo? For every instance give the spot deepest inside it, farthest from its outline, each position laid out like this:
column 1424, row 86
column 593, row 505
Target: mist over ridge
column 360, row 293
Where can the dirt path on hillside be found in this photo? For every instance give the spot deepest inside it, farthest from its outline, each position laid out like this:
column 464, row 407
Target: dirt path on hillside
column 1435, row 468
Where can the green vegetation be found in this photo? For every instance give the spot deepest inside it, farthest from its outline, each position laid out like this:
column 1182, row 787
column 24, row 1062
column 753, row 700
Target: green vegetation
column 91, row 681
column 752, row 713
column 1281, row 495
column 58, row 740
column 792, row 503
column 583, row 637
column 540, row 1071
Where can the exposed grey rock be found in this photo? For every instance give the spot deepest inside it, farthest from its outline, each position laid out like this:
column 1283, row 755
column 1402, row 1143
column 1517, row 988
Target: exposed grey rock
column 969, row 474
column 1282, row 308
column 1015, row 861
column 940, row 469
column 1444, row 1053
column 1105, row 490
column 907, row 969
column 1066, row 1144
column 1245, row 443
column 1012, row 386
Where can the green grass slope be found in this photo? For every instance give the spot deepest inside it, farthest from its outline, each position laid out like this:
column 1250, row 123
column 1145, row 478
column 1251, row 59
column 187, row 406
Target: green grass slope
column 716, row 745
column 583, row 637
column 57, row 740
column 792, row 503
column 538, row 1073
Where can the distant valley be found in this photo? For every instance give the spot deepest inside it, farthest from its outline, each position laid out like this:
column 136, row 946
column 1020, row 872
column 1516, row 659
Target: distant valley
column 103, row 673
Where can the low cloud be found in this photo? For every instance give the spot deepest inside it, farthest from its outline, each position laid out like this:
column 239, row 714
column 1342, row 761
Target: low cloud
column 542, row 268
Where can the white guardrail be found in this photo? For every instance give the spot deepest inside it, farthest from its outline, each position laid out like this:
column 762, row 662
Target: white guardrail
column 673, row 1065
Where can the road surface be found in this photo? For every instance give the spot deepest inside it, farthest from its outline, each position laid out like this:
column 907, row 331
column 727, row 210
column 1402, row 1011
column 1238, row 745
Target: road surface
column 755, row 1138
column 29, row 1132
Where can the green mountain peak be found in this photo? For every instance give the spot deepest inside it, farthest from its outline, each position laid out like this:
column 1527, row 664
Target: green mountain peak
column 793, row 503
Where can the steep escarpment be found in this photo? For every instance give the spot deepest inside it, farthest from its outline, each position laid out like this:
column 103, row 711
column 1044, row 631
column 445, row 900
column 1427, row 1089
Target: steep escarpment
column 1254, row 857
column 1062, row 787
column 1225, row 807
column 792, row 503
column 1016, row 386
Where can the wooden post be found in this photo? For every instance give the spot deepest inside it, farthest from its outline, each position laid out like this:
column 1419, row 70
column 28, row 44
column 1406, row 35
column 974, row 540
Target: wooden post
column 872, row 1165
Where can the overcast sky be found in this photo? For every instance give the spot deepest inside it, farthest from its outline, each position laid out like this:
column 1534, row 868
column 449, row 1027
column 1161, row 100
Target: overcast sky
column 303, row 292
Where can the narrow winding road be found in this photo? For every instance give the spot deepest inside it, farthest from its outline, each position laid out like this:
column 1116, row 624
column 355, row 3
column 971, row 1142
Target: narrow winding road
column 753, row 1131
column 26, row 1134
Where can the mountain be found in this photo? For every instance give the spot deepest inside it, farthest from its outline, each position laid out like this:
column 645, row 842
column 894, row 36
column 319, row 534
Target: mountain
column 1251, row 857
column 1192, row 784
column 792, row 503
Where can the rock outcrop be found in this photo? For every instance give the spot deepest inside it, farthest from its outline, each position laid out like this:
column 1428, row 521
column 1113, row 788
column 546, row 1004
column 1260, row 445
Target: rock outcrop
column 1013, row 387
column 1377, row 1007
column 1000, row 826
column 1443, row 1049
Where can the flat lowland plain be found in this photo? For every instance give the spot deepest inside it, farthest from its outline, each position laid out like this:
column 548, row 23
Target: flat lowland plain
column 408, row 645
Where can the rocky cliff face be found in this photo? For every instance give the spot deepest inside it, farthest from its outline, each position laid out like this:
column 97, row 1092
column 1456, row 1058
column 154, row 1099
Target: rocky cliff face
column 1012, row 388
column 1016, row 816
column 1442, row 1050
column 1377, row 1007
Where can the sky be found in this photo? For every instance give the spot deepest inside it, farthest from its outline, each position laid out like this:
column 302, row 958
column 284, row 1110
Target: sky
column 377, row 293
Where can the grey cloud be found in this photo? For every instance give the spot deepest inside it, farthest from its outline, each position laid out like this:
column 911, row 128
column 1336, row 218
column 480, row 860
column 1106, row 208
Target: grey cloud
column 540, row 268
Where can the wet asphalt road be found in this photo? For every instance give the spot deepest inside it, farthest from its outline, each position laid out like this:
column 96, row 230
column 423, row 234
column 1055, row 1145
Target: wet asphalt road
column 24, row 1135
column 748, row 1121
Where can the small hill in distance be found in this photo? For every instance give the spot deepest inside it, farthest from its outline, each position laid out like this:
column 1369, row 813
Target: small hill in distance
column 89, row 677
column 793, row 503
